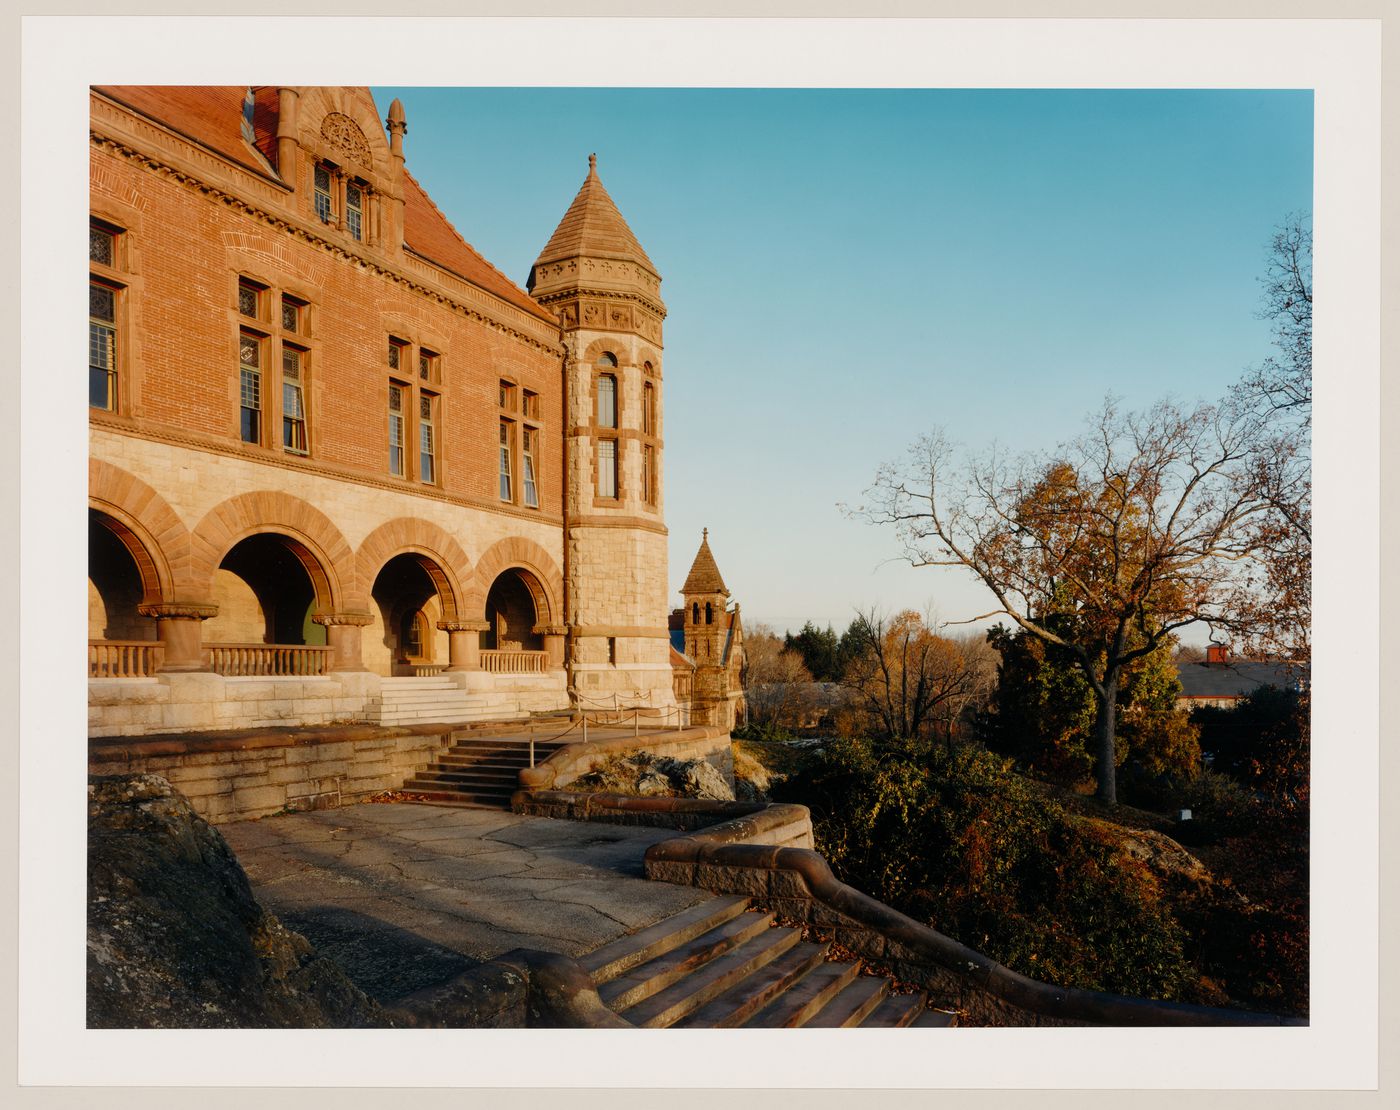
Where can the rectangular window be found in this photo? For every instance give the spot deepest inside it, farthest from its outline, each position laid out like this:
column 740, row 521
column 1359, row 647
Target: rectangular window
column 397, row 354
column 507, row 488
column 649, row 409
column 529, row 440
column 325, row 206
column 102, row 245
column 250, row 300
column 508, row 396
column 607, row 468
column 649, row 474
column 293, row 400
column 427, row 365
column 291, row 314
column 530, row 404
column 250, row 387
column 102, row 346
column 607, row 401
column 427, row 447
column 396, row 436
column 354, row 211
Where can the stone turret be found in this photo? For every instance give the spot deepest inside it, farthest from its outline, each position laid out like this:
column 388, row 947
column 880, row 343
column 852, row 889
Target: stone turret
column 713, row 641
column 594, row 274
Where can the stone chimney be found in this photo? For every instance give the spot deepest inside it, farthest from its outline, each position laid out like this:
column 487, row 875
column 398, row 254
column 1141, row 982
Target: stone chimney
column 1217, row 653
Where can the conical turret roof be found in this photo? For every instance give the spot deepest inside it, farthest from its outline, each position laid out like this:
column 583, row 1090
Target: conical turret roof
column 593, row 227
column 704, row 576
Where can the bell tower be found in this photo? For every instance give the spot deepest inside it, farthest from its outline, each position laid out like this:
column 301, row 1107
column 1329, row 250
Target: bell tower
column 594, row 274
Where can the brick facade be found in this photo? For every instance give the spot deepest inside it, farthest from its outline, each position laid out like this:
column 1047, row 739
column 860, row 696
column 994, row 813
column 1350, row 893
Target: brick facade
column 302, row 384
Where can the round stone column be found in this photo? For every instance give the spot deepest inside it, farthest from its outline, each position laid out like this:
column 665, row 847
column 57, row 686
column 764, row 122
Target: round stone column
column 344, row 639
column 553, row 643
column 178, row 625
column 463, row 644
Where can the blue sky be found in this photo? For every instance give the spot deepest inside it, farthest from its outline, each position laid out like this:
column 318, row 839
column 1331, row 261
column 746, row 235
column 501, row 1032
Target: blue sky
column 847, row 269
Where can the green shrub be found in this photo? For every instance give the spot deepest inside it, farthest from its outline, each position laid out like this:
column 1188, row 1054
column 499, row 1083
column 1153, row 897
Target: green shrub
column 764, row 731
column 971, row 849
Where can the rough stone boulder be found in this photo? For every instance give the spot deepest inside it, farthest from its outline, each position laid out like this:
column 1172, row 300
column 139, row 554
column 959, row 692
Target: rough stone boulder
column 175, row 938
column 644, row 774
column 752, row 780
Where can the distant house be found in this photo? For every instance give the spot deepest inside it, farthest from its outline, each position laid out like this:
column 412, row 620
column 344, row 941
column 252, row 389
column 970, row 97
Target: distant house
column 1221, row 681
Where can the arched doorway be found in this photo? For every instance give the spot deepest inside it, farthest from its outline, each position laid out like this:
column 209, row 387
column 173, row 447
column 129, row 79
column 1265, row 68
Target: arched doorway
column 411, row 596
column 268, row 587
column 515, row 607
column 121, row 642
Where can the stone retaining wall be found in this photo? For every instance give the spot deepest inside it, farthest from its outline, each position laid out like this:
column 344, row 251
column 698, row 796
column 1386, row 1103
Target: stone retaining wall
column 234, row 777
column 797, row 884
column 708, row 742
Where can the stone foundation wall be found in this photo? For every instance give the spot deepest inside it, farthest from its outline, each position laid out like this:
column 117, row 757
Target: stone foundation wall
column 199, row 701
column 233, row 777
column 682, row 814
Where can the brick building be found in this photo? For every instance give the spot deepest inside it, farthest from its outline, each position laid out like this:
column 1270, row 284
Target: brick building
column 341, row 468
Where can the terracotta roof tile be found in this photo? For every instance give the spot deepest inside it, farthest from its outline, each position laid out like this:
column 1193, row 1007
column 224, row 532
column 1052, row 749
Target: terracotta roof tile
column 429, row 233
column 212, row 115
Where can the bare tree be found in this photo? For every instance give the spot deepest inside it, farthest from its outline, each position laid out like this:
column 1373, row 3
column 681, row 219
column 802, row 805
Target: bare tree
column 1285, row 379
column 905, row 676
column 774, row 677
column 1147, row 524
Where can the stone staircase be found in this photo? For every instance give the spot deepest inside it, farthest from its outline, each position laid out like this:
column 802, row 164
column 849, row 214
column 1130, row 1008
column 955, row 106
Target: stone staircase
column 436, row 700
column 477, row 771
column 721, row 966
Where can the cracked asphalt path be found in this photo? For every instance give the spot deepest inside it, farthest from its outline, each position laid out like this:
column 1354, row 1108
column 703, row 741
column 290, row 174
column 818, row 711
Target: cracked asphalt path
column 405, row 896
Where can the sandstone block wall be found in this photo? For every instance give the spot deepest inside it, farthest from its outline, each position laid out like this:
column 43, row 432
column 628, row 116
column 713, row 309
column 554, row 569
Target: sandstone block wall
column 236, row 779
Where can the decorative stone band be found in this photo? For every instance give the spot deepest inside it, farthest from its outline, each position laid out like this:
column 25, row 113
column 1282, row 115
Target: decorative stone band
column 348, row 617
column 463, row 626
column 797, row 883
column 550, row 629
column 179, row 610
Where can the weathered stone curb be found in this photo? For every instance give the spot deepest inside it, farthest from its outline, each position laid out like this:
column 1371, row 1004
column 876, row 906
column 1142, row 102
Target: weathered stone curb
column 740, row 822
column 522, row 989
column 708, row 742
column 798, row 884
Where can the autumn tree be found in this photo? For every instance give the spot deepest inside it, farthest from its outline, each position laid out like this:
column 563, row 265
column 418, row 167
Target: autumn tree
column 904, row 676
column 1145, row 525
column 774, row 678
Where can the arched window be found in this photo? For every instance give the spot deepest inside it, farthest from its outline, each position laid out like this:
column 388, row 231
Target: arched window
column 709, row 613
column 607, row 401
column 695, row 613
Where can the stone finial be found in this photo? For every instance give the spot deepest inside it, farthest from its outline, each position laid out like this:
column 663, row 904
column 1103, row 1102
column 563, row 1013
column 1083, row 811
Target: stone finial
column 592, row 165
column 398, row 128
column 704, row 533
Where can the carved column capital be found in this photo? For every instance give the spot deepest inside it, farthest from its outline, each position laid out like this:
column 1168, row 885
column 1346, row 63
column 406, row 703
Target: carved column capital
column 349, row 617
column 550, row 629
column 463, row 626
column 178, row 610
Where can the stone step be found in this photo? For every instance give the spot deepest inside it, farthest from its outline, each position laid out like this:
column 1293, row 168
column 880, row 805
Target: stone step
column 718, row 975
column 935, row 1019
column 498, row 758
column 895, row 1011
column 419, row 682
column 736, row 1005
column 466, row 772
column 852, row 1005
column 474, row 799
column 804, row 998
column 627, row 952
column 662, row 971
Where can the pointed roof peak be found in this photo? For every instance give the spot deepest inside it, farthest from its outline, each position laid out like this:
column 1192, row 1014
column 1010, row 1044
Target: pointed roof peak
column 704, row 576
column 593, row 227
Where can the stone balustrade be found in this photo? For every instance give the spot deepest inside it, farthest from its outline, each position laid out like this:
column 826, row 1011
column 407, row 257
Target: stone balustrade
column 124, row 658
column 515, row 662
column 243, row 660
